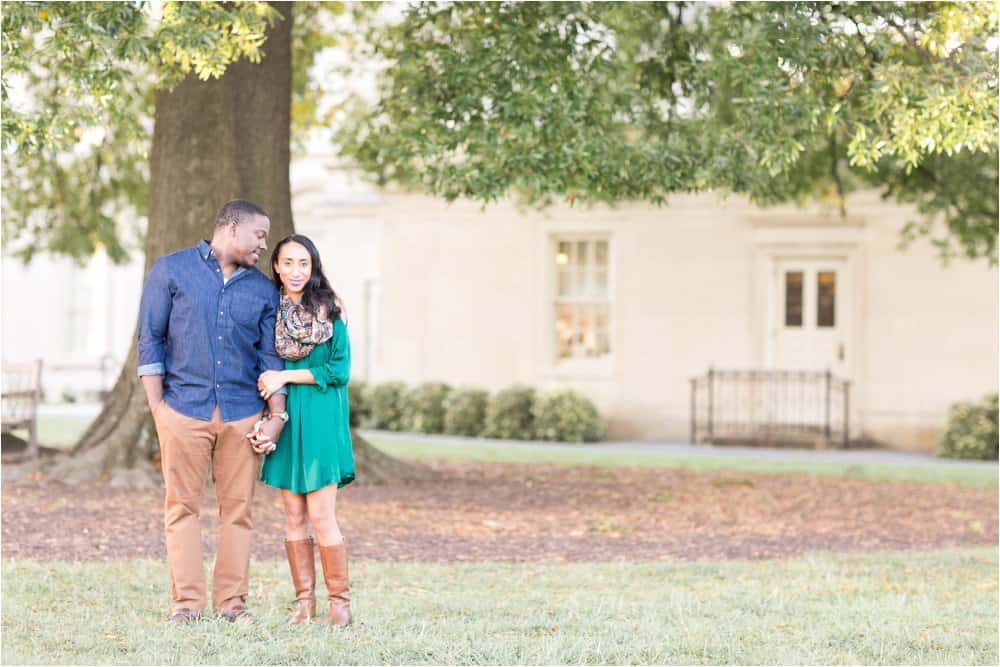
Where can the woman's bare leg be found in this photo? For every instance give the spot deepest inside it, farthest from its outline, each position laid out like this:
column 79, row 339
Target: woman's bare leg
column 296, row 515
column 322, row 504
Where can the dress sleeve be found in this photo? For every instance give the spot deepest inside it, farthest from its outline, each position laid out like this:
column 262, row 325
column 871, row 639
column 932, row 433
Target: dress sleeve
column 337, row 370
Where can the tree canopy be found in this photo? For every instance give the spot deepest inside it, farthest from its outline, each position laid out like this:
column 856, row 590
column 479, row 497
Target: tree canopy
column 572, row 101
column 78, row 90
column 589, row 101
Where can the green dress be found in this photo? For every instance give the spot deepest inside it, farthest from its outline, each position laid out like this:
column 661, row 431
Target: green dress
column 314, row 448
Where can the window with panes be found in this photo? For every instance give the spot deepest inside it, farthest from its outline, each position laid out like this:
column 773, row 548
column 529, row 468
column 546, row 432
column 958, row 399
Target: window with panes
column 582, row 298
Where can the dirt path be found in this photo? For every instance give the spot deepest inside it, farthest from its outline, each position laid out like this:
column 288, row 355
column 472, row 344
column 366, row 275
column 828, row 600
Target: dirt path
column 513, row 512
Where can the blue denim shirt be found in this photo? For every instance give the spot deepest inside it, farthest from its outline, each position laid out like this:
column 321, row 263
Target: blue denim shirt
column 209, row 339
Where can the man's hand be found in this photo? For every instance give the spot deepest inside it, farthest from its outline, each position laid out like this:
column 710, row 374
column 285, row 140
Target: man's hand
column 264, row 437
column 153, row 385
column 258, row 441
column 270, row 382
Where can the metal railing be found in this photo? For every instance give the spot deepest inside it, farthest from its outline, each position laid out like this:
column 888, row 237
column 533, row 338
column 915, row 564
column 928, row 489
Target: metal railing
column 767, row 406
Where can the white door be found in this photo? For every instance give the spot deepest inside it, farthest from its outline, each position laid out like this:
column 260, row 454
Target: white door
column 808, row 328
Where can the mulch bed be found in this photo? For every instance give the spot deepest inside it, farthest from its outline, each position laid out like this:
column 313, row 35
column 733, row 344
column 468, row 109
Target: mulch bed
column 513, row 512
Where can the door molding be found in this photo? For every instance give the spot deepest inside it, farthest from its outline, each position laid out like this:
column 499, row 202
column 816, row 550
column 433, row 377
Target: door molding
column 771, row 244
column 766, row 257
column 774, row 329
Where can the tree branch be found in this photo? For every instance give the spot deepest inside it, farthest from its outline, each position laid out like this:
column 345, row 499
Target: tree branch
column 835, row 173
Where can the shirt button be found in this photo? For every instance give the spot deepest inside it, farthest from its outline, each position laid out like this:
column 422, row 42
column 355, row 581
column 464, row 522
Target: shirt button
column 218, row 386
column 219, row 362
column 218, row 270
column 220, row 312
column 220, row 337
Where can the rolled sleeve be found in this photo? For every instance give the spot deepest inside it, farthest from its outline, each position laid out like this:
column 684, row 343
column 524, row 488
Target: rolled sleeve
column 150, row 369
column 337, row 371
column 154, row 316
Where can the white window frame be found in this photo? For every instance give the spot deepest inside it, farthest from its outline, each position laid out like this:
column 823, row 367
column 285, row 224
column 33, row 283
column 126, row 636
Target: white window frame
column 583, row 367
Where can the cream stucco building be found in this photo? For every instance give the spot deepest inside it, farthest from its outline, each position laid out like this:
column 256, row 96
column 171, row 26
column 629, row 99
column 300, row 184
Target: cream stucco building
column 626, row 304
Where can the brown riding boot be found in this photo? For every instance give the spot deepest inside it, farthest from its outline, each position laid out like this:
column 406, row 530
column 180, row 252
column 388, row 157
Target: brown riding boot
column 334, row 560
column 303, row 567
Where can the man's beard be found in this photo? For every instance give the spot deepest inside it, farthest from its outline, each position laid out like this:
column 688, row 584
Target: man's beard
column 249, row 261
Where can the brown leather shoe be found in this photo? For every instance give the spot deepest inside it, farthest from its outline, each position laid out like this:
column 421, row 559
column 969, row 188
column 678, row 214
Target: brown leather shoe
column 183, row 616
column 302, row 564
column 334, row 561
column 239, row 614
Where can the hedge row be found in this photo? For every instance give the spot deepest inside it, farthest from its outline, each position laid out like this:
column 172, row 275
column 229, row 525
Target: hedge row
column 972, row 430
column 515, row 413
column 519, row 413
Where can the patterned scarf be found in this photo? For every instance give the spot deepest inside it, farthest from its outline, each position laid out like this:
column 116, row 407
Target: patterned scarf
column 297, row 331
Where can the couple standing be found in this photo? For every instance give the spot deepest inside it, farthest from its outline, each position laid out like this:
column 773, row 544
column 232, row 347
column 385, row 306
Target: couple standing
column 218, row 339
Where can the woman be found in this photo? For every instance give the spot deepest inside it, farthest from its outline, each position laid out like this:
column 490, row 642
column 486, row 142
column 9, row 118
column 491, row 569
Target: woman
column 313, row 457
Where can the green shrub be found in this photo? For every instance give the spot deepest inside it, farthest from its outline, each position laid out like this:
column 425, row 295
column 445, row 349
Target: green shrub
column 508, row 414
column 971, row 431
column 360, row 406
column 567, row 415
column 386, row 406
column 465, row 411
column 423, row 408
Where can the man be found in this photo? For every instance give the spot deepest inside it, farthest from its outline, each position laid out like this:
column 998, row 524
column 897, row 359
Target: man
column 206, row 332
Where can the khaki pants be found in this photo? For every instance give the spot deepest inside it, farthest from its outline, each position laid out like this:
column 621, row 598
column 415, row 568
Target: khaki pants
column 188, row 447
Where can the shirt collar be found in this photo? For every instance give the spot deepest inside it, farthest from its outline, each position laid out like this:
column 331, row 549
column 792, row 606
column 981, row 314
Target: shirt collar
column 208, row 254
column 205, row 250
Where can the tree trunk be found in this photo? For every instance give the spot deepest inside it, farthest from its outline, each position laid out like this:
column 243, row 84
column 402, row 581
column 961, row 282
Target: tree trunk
column 213, row 141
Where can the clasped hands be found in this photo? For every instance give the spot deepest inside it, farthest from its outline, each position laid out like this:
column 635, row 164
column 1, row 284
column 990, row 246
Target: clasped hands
column 264, row 435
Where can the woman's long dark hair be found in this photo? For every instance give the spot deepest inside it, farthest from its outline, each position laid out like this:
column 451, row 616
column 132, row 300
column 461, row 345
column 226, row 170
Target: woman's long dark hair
column 317, row 292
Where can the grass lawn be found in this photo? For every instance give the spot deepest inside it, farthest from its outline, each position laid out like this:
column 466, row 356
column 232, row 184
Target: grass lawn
column 58, row 431
column 882, row 608
column 497, row 452
column 64, row 431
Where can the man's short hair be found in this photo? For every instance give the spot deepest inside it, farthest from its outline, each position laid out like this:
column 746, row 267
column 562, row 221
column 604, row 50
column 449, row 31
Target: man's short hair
column 237, row 210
